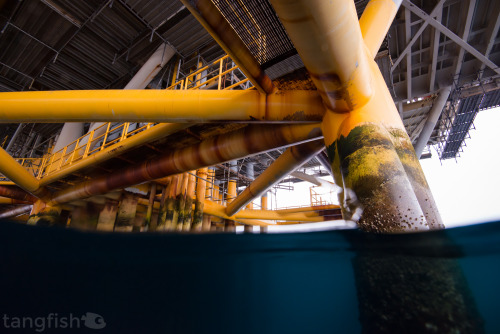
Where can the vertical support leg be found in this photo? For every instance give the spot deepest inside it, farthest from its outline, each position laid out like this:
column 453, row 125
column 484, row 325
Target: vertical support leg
column 201, row 187
column 85, row 217
column 149, row 213
column 126, row 213
column 188, row 208
column 362, row 146
column 180, row 203
column 107, row 216
column 171, row 201
column 263, row 206
column 230, row 225
column 162, row 212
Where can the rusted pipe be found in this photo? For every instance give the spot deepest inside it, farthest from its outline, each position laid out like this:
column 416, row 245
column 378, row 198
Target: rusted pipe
column 289, row 161
column 16, row 193
column 235, row 145
column 212, row 20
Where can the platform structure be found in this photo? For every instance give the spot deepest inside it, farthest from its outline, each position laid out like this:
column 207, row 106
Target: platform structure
column 188, row 115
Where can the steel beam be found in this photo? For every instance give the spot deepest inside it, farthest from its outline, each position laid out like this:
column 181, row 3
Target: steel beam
column 419, row 12
column 409, row 43
column 435, row 52
column 465, row 36
column 153, row 105
column 432, row 119
column 375, row 22
column 212, row 20
column 491, row 33
column 290, row 160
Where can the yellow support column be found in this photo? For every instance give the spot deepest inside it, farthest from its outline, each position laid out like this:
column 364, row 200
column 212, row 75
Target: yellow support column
column 367, row 144
column 201, row 188
column 231, row 194
column 152, row 193
column 263, row 206
column 188, row 208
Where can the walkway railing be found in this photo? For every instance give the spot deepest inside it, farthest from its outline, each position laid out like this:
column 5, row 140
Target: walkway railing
column 221, row 72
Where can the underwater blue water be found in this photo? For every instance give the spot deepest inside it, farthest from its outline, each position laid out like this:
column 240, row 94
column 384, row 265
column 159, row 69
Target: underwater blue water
column 319, row 282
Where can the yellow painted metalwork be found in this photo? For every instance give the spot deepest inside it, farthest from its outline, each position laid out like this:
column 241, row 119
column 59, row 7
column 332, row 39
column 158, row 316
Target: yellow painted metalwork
column 289, row 161
column 308, row 208
column 322, row 32
column 105, row 151
column 218, row 210
column 160, row 106
column 17, row 174
column 217, row 26
column 375, row 22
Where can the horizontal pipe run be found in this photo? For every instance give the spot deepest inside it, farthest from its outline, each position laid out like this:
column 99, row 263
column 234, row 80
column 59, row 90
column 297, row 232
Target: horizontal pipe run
column 289, row 161
column 159, row 106
column 312, row 216
column 309, row 208
column 12, row 201
column 238, row 144
column 141, row 138
column 218, row 210
column 16, row 211
column 15, row 192
column 217, row 26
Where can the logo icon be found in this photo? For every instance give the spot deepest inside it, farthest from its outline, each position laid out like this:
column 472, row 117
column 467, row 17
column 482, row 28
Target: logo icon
column 93, row 321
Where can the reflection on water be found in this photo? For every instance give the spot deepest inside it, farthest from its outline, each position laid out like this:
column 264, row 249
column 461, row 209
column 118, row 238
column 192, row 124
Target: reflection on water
column 320, row 282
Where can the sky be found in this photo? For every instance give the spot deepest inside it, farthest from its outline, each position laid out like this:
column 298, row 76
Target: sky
column 466, row 190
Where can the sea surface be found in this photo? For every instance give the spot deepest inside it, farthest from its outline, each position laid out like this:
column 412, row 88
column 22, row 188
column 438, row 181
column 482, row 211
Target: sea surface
column 342, row 281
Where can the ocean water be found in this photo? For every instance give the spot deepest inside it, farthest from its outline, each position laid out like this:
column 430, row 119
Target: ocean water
column 341, row 281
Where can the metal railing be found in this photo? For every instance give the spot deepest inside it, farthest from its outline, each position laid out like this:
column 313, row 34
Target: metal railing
column 222, row 73
column 321, row 198
column 32, row 165
column 89, row 144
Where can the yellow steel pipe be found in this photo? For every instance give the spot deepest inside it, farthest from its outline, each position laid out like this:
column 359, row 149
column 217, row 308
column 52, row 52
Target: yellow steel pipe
column 11, row 201
column 218, row 210
column 290, row 160
column 328, row 39
column 376, row 21
column 10, row 168
column 201, row 188
column 273, row 215
column 309, row 208
column 151, row 105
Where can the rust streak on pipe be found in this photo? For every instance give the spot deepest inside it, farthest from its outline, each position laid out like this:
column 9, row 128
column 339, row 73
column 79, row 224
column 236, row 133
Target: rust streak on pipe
column 235, row 145
column 17, row 193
